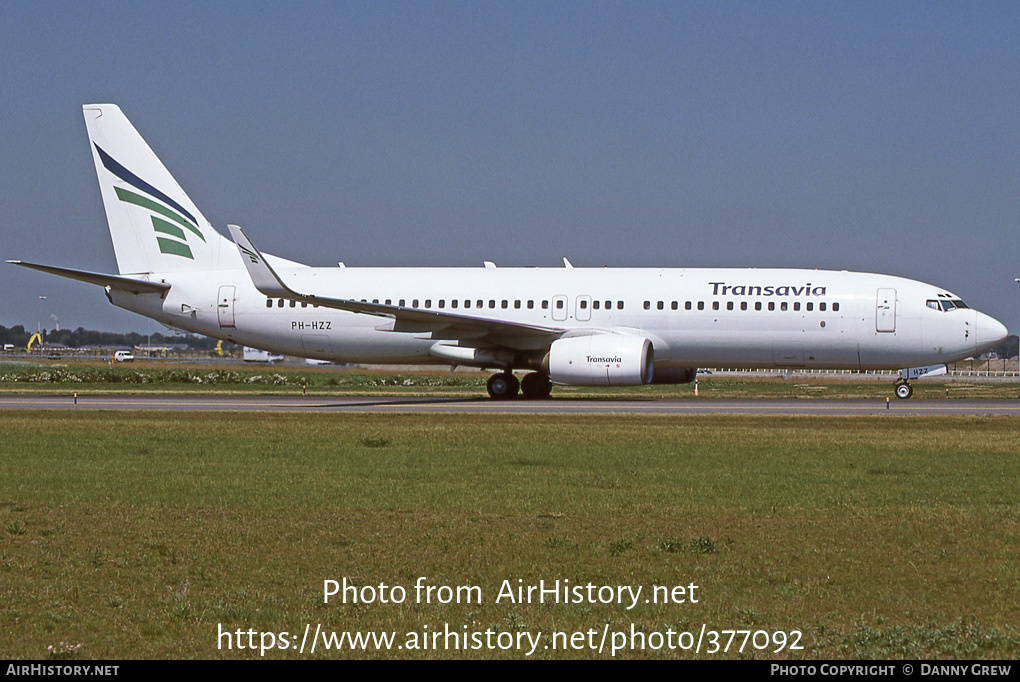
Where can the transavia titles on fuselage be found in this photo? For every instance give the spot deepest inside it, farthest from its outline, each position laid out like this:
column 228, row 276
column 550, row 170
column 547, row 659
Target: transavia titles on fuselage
column 574, row 326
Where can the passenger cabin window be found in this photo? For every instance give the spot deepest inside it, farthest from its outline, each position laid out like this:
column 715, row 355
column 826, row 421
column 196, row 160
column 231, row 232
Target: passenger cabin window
column 492, row 303
column 772, row 305
column 279, row 304
column 660, row 305
column 517, row 305
column 729, row 305
column 743, row 305
column 619, row 305
column 559, row 304
column 584, row 304
column 821, row 306
column 595, row 305
column 531, row 305
column 757, row 305
column 835, row 307
column 269, row 302
column 687, row 305
column 442, row 303
column 453, row 303
column 701, row 305
column 810, row 307
column 796, row 305
column 545, row 305
column 648, row 305
column 674, row 305
column 715, row 305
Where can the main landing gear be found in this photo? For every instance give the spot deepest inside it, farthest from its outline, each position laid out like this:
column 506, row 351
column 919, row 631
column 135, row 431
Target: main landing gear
column 536, row 386
column 504, row 386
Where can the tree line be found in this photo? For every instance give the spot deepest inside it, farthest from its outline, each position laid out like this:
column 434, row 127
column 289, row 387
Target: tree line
column 81, row 337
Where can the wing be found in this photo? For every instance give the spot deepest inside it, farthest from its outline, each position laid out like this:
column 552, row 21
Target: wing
column 442, row 325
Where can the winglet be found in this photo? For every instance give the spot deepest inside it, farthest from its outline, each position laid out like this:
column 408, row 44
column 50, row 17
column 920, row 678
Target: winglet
column 262, row 274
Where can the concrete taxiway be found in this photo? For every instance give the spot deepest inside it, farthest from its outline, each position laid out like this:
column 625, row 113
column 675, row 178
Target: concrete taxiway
column 329, row 404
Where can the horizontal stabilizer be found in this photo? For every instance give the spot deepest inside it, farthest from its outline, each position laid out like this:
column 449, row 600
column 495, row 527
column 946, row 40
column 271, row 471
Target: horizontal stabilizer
column 134, row 286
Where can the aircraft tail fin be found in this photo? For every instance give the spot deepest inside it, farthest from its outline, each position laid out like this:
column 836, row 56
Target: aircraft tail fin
column 155, row 227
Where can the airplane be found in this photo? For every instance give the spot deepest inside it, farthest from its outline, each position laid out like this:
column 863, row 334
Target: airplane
column 562, row 326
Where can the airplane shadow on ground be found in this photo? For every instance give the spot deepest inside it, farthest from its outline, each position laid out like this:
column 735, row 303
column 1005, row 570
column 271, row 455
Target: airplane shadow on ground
column 377, row 402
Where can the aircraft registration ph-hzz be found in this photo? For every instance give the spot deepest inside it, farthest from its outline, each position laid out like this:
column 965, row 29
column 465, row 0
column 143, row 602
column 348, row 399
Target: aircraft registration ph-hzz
column 570, row 326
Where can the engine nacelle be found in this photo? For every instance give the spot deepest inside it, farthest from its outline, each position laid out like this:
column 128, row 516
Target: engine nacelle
column 674, row 375
column 601, row 360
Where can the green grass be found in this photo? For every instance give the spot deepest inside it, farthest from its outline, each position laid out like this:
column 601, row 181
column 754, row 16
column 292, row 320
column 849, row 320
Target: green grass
column 93, row 378
column 135, row 535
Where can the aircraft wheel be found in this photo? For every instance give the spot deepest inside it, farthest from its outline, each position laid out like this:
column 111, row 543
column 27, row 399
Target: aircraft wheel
column 503, row 386
column 904, row 391
column 536, row 386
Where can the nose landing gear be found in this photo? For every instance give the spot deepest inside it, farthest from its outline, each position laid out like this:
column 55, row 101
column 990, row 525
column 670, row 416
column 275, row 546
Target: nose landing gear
column 903, row 390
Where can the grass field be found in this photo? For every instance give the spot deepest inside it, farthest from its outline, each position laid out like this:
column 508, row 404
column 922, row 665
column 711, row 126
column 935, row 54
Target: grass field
column 94, row 377
column 135, row 535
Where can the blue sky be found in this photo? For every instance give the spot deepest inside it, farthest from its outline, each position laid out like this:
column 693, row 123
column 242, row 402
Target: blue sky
column 866, row 136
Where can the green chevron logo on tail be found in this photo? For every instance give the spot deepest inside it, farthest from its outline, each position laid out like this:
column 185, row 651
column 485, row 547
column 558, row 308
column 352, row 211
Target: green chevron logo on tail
column 169, row 219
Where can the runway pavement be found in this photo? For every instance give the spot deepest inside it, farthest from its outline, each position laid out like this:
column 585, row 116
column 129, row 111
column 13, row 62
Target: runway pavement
column 328, row 404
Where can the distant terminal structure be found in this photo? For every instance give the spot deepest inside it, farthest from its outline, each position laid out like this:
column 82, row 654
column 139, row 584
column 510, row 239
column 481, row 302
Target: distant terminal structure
column 259, row 355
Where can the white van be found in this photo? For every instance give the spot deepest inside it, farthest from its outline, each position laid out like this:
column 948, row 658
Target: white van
column 124, row 356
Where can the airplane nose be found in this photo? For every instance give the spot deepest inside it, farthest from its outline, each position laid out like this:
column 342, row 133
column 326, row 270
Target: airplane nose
column 988, row 332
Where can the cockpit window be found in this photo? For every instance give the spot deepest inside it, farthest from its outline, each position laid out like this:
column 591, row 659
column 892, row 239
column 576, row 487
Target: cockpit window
column 945, row 305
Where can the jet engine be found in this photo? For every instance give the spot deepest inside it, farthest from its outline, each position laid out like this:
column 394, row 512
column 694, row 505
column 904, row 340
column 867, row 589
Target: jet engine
column 601, row 360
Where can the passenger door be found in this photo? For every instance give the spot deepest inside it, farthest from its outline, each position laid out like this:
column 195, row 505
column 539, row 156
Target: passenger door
column 885, row 310
column 225, row 306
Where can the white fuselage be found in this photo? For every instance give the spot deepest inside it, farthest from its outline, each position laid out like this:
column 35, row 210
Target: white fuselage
column 694, row 317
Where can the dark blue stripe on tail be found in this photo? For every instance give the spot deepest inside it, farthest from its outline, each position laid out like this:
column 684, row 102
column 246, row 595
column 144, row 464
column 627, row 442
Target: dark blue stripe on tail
column 136, row 182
